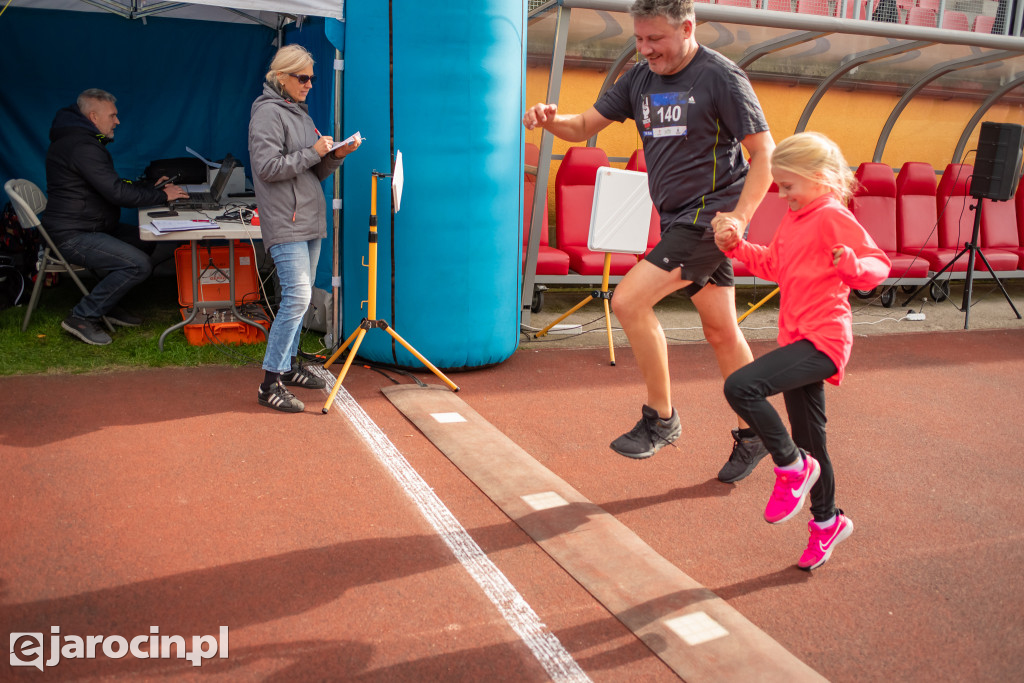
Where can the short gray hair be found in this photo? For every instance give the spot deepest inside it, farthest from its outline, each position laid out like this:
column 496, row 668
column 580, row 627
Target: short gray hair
column 676, row 11
column 92, row 95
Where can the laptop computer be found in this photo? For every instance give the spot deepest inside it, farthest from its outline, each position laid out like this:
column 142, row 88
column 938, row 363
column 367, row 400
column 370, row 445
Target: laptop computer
column 207, row 201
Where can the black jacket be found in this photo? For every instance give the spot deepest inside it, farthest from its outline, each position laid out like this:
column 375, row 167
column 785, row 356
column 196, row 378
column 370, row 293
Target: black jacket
column 84, row 192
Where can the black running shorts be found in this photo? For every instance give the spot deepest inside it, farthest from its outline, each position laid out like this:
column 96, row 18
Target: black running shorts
column 694, row 252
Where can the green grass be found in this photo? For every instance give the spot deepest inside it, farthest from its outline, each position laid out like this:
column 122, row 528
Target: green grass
column 44, row 348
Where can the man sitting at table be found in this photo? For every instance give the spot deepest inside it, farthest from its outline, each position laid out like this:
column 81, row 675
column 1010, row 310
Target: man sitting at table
column 83, row 210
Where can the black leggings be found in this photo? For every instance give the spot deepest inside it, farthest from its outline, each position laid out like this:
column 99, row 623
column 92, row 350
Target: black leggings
column 798, row 371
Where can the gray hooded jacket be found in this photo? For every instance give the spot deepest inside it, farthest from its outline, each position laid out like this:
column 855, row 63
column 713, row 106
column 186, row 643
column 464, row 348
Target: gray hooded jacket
column 286, row 171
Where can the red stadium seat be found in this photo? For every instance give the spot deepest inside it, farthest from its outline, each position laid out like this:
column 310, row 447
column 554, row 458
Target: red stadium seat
column 983, row 24
column 916, row 218
column 874, row 205
column 999, row 233
column 763, row 224
column 921, row 16
column 1018, row 203
column 956, row 222
column 574, row 197
column 637, row 163
column 550, row 261
column 955, row 21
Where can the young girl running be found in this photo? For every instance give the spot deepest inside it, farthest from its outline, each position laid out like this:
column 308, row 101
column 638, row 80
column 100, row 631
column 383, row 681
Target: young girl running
column 818, row 254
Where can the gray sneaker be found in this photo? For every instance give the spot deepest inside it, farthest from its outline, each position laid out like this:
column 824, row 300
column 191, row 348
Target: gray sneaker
column 648, row 435
column 86, row 329
column 746, row 453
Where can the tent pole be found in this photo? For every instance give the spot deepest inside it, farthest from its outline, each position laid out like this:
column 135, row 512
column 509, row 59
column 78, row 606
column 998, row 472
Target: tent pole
column 339, row 66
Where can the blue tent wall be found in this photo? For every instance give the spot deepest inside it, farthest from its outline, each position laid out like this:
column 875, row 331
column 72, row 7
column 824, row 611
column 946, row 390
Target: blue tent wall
column 449, row 261
column 178, row 82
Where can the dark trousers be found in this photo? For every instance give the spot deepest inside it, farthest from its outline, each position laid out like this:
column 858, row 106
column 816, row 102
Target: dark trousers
column 798, row 371
column 123, row 256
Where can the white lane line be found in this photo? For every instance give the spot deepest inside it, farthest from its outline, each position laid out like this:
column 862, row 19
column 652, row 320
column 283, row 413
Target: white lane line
column 557, row 662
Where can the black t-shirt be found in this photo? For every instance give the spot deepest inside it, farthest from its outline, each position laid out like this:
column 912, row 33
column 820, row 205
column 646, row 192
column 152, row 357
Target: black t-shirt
column 691, row 124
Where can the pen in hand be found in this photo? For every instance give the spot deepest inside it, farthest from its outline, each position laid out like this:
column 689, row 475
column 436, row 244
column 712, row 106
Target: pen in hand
column 166, row 181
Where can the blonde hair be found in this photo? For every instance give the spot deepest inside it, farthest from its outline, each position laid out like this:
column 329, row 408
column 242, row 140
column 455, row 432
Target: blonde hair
column 817, row 158
column 288, row 60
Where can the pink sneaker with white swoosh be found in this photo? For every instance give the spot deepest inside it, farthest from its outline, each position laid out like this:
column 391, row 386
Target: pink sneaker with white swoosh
column 824, row 541
column 790, row 491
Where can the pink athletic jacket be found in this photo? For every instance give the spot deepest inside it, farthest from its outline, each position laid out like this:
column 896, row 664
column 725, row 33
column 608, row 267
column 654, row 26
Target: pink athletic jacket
column 815, row 294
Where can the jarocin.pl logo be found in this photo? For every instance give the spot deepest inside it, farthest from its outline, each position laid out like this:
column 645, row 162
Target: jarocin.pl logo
column 27, row 648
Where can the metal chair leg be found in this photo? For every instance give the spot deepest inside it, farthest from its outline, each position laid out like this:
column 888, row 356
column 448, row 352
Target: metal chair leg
column 37, row 289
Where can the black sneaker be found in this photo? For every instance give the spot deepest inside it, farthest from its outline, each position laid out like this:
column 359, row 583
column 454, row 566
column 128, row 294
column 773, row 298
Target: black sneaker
column 119, row 316
column 649, row 435
column 746, row 453
column 299, row 376
column 279, row 398
column 86, row 329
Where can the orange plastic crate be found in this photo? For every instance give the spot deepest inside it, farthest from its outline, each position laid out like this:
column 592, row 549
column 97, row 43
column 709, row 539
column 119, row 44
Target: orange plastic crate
column 220, row 327
column 213, row 274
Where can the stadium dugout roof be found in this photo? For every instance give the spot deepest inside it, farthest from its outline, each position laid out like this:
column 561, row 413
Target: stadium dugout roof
column 797, row 48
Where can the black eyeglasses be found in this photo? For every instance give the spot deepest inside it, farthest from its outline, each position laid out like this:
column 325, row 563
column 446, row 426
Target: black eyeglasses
column 303, row 78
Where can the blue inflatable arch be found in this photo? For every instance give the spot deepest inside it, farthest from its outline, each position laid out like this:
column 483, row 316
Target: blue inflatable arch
column 449, row 97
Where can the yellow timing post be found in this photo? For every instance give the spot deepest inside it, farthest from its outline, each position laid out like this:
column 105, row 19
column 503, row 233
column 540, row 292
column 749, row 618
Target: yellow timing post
column 371, row 321
column 754, row 307
column 604, row 295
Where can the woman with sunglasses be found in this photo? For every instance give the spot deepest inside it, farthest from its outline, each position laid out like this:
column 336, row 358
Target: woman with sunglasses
column 289, row 161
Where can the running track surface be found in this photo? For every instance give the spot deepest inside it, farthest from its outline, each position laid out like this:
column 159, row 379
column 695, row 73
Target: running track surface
column 169, row 498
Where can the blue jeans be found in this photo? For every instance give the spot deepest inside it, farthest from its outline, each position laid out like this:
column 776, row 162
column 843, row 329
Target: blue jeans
column 296, row 264
column 120, row 255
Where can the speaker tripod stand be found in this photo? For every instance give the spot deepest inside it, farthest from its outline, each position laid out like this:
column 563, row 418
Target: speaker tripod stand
column 970, row 248
column 371, row 321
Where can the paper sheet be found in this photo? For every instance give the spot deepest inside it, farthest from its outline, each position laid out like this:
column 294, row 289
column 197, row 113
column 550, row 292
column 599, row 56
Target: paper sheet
column 355, row 137
column 397, row 181
column 172, row 225
column 199, row 156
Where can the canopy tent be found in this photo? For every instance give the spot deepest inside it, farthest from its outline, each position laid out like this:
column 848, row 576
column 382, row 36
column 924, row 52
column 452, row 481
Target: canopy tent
column 189, row 81
column 247, row 11
column 185, row 74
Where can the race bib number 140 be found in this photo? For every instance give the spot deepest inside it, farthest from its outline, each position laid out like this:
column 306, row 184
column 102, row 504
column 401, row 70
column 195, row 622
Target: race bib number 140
column 664, row 114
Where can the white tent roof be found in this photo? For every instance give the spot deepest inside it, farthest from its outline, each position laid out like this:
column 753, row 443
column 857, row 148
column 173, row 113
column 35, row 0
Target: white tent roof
column 312, row 8
column 219, row 10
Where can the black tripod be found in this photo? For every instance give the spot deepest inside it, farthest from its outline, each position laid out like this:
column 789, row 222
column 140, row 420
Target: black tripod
column 970, row 248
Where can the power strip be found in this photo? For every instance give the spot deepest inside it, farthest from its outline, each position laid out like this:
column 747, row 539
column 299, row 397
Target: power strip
column 915, row 316
column 566, row 329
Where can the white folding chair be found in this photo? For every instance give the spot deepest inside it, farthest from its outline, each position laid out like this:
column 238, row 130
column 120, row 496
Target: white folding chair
column 28, row 201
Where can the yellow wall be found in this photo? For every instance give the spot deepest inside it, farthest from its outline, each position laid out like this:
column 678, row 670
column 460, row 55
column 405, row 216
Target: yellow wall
column 927, row 130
